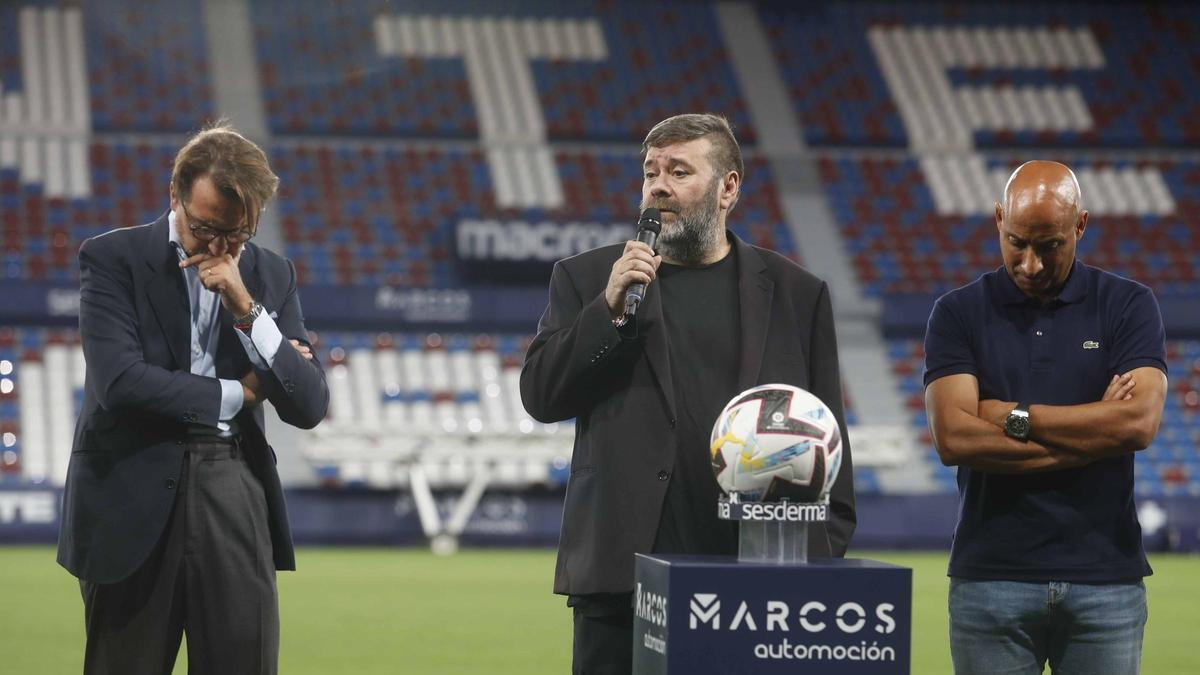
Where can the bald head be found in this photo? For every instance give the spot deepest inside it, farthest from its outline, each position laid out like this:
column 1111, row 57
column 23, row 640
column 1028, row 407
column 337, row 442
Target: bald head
column 1040, row 222
column 1042, row 184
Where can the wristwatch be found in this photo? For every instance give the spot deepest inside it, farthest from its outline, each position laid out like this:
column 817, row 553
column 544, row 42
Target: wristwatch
column 1016, row 425
column 245, row 323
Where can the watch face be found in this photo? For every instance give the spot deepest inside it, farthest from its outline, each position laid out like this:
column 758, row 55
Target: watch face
column 1017, row 426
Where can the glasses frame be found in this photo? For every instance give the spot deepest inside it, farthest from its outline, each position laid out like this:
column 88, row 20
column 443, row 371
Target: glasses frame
column 207, row 233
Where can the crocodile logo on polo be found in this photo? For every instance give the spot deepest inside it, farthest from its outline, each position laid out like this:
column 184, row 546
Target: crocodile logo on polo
column 1091, row 344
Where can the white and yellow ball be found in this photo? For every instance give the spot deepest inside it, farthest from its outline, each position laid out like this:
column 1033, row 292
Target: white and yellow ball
column 776, row 442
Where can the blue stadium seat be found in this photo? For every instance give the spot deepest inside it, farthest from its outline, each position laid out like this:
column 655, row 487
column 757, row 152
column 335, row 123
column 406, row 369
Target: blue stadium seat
column 323, row 73
column 900, row 244
column 147, row 66
column 1139, row 97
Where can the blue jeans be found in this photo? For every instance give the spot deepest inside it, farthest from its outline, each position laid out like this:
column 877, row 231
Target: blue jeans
column 1011, row 627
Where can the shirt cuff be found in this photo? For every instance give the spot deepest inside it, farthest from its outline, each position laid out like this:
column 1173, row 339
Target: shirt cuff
column 231, row 400
column 263, row 342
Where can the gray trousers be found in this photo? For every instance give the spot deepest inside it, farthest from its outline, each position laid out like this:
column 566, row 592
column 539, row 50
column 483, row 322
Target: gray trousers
column 211, row 575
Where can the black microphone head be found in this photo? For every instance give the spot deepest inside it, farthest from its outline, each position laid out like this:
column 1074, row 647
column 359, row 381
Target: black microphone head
column 651, row 220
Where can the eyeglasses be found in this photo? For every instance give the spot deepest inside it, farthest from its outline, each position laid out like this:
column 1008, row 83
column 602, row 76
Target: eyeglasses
column 206, row 232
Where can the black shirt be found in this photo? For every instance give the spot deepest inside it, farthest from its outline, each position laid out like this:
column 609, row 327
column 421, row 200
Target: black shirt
column 700, row 311
column 1075, row 525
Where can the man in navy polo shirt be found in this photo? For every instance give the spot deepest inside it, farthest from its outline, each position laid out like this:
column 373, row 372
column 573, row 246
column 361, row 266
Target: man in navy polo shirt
column 1042, row 379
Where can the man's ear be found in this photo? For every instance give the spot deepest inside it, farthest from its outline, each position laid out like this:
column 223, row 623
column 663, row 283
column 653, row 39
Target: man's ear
column 731, row 185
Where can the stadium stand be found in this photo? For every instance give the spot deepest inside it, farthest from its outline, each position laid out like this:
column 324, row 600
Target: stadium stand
column 420, row 387
column 10, row 420
column 156, row 82
column 324, row 70
column 352, row 214
column 41, row 234
column 358, row 214
column 41, row 385
column 904, row 239
column 390, row 127
column 995, row 76
column 449, row 404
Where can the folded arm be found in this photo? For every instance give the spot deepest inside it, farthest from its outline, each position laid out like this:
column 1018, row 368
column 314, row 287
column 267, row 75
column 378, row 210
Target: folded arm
column 118, row 373
column 1125, row 420
column 963, row 438
column 288, row 374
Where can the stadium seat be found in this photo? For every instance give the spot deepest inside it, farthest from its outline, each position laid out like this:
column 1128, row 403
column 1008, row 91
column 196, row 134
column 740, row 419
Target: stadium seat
column 1105, row 75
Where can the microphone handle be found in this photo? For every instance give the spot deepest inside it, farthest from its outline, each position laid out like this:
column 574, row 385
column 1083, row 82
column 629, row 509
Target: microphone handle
column 636, row 292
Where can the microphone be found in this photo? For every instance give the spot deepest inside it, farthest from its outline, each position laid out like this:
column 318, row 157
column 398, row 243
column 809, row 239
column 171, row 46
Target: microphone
column 649, row 225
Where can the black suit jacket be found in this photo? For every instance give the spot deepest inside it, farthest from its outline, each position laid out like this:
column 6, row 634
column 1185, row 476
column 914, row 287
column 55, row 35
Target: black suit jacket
column 620, row 393
column 140, row 396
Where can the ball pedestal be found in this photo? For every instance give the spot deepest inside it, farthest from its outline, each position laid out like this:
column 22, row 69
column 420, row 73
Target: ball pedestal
column 772, row 533
column 771, row 609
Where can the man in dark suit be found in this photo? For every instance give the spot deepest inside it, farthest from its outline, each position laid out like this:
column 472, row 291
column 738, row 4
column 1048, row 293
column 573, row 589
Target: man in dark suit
column 723, row 316
column 173, row 515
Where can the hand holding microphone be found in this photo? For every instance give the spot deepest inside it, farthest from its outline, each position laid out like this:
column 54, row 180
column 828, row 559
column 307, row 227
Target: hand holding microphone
column 634, row 269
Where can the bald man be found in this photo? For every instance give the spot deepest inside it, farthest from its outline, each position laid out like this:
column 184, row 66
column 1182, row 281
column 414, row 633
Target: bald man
column 1042, row 379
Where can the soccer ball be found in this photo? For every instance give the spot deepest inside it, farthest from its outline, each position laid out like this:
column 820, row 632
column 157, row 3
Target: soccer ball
column 776, row 442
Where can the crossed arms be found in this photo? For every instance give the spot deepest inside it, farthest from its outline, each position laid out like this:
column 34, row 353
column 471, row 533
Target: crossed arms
column 122, row 378
column 969, row 432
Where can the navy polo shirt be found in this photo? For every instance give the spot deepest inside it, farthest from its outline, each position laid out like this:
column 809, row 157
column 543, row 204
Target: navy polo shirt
column 1079, row 524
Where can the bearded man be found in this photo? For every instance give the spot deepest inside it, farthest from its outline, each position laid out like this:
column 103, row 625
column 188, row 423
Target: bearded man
column 719, row 316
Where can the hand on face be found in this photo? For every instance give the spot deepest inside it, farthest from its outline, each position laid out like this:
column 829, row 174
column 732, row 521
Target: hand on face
column 220, row 274
column 206, row 210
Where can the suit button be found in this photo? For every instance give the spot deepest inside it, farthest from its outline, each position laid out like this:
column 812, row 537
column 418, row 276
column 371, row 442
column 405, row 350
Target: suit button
column 170, row 483
column 672, row 422
column 178, row 442
column 664, row 474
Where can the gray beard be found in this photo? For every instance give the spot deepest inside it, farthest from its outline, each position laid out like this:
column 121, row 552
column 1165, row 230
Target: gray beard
column 695, row 233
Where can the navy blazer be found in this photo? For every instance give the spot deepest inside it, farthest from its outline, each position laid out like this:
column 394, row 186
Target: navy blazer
column 140, row 396
column 622, row 397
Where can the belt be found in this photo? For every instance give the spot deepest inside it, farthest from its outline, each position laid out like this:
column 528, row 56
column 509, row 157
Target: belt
column 214, row 445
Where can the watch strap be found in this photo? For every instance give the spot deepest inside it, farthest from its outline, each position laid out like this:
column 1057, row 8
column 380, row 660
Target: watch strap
column 245, row 323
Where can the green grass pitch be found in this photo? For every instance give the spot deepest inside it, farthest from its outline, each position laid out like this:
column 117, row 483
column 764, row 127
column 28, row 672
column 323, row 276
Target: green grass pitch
column 368, row 611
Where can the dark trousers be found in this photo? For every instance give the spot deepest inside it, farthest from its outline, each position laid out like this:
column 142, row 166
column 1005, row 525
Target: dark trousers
column 603, row 642
column 211, row 575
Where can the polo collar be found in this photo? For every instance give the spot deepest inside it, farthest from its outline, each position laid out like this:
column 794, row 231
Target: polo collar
column 1073, row 291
